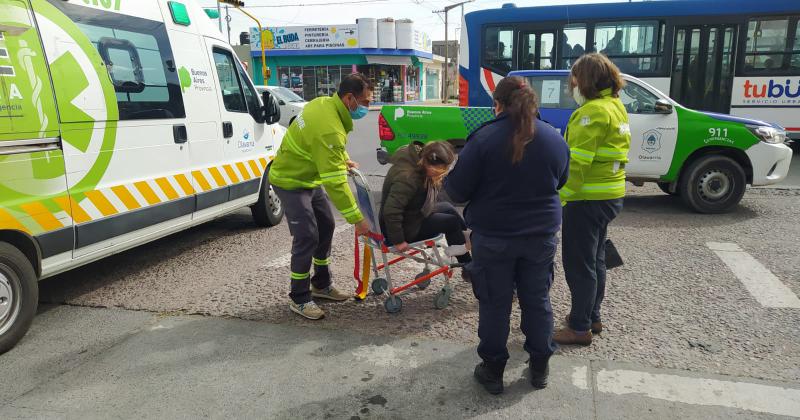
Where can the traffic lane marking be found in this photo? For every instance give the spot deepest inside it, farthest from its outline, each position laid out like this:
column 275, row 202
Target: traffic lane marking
column 764, row 286
column 285, row 259
column 700, row 391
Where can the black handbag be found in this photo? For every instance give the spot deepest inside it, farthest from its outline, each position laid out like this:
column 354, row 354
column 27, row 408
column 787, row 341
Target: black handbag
column 613, row 259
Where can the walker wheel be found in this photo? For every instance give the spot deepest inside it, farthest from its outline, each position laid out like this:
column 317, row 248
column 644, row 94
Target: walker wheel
column 423, row 285
column 379, row 285
column 442, row 298
column 393, row 304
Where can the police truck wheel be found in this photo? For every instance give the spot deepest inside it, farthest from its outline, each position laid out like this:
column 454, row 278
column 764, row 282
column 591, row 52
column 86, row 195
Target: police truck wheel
column 713, row 184
column 19, row 295
column 664, row 186
column 268, row 211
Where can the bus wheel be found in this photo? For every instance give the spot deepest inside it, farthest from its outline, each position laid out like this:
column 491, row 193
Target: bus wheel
column 19, row 296
column 713, row 184
column 664, row 186
column 268, row 211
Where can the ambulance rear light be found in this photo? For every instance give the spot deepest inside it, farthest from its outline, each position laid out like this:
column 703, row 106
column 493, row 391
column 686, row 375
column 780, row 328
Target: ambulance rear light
column 385, row 132
column 769, row 135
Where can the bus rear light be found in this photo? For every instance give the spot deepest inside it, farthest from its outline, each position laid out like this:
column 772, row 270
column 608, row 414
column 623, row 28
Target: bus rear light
column 385, row 132
column 463, row 91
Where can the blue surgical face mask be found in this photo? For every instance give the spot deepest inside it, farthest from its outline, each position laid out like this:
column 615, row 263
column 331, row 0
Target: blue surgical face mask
column 360, row 112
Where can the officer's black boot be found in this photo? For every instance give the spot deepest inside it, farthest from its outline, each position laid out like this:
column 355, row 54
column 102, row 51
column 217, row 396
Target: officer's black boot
column 490, row 375
column 539, row 370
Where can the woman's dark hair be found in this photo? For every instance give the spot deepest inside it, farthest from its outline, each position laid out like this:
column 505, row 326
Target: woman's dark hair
column 593, row 73
column 519, row 101
column 437, row 153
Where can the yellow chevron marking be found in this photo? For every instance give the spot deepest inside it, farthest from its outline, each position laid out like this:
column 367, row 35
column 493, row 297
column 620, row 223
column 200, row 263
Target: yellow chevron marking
column 243, row 170
column 167, row 189
column 126, row 197
column 231, row 173
column 263, row 162
column 7, row 221
column 101, row 202
column 42, row 216
column 198, row 176
column 187, row 187
column 218, row 178
column 147, row 192
column 69, row 205
column 255, row 168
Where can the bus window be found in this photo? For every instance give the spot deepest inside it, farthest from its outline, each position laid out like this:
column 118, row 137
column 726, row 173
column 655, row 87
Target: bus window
column 573, row 44
column 635, row 47
column 499, row 49
column 796, row 56
column 766, row 47
column 538, row 51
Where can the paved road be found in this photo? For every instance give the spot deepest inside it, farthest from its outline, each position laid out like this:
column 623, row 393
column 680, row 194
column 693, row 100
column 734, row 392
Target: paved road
column 699, row 296
column 97, row 364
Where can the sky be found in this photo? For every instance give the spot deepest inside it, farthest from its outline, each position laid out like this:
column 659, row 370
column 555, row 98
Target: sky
column 329, row 12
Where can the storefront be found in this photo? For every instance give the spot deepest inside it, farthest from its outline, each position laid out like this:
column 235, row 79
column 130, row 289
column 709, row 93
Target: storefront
column 311, row 61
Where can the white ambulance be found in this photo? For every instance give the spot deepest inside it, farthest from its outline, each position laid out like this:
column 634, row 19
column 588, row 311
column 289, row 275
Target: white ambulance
column 121, row 121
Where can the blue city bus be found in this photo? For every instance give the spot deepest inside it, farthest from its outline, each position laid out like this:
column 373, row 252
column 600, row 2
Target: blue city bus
column 738, row 57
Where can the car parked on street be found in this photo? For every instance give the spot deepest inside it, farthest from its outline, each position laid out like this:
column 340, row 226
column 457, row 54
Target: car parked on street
column 706, row 158
column 291, row 103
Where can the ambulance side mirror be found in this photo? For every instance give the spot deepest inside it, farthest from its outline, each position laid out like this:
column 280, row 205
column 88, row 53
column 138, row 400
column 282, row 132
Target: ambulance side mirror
column 663, row 107
column 272, row 111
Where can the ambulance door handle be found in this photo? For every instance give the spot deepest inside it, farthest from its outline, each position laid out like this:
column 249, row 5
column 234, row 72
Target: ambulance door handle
column 227, row 129
column 179, row 133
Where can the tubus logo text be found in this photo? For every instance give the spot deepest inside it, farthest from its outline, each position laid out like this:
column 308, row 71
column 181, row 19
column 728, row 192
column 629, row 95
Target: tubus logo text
column 772, row 89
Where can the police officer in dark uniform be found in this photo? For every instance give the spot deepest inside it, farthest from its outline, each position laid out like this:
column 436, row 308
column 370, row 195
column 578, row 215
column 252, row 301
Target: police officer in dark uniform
column 510, row 172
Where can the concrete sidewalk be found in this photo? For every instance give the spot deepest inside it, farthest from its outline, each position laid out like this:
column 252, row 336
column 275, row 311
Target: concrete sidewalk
column 108, row 363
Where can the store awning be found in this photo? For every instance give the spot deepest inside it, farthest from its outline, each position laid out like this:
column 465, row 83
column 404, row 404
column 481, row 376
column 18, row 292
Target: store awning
column 389, row 60
column 424, row 60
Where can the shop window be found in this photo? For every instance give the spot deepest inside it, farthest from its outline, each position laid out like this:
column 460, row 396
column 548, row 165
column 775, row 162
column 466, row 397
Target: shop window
column 232, row 95
column 573, row 44
column 499, row 49
column 308, row 89
column 769, row 48
column 635, row 47
column 139, row 61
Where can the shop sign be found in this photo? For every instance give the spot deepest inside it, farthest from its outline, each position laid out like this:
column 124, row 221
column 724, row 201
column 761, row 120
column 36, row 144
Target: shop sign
column 422, row 41
column 306, row 38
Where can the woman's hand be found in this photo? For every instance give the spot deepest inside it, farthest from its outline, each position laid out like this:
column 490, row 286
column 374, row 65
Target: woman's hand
column 402, row 246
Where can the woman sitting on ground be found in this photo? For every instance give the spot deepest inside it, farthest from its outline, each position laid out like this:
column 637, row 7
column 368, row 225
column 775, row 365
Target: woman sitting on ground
column 410, row 209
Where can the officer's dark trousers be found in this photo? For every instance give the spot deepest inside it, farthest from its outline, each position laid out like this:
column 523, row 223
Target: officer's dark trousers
column 499, row 266
column 584, row 228
column 311, row 225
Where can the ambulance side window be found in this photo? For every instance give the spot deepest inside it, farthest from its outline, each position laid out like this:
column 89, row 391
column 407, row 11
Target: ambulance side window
column 139, row 60
column 231, row 88
column 250, row 93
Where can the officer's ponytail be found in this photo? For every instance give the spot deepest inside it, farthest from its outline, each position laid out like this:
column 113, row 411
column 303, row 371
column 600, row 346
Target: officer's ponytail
column 520, row 103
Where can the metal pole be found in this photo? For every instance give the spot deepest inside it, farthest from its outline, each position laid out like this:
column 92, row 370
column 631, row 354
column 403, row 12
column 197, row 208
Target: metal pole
column 228, row 22
column 446, row 60
column 219, row 16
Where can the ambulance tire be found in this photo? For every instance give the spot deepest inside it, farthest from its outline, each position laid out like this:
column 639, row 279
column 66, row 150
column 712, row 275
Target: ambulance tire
column 267, row 211
column 713, row 184
column 19, row 296
column 664, row 186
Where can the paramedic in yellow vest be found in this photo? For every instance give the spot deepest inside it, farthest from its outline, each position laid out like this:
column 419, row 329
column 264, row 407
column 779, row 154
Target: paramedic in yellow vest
column 310, row 166
column 599, row 138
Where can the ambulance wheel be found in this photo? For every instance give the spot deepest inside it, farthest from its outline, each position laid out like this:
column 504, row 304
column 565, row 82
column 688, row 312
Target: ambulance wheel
column 664, row 186
column 19, row 296
column 379, row 285
column 442, row 298
column 268, row 210
column 713, row 184
column 393, row 305
column 423, row 285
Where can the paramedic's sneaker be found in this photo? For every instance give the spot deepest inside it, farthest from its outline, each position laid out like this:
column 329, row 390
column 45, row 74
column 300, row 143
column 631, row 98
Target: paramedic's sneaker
column 455, row 250
column 330, row 293
column 308, row 310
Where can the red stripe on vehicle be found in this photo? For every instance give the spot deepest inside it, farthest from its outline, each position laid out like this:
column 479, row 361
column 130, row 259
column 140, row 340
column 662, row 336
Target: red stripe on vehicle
column 792, row 128
column 489, row 79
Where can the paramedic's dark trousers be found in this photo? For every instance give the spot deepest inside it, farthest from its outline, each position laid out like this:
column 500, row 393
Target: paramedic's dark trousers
column 311, row 225
column 583, row 233
column 499, row 266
